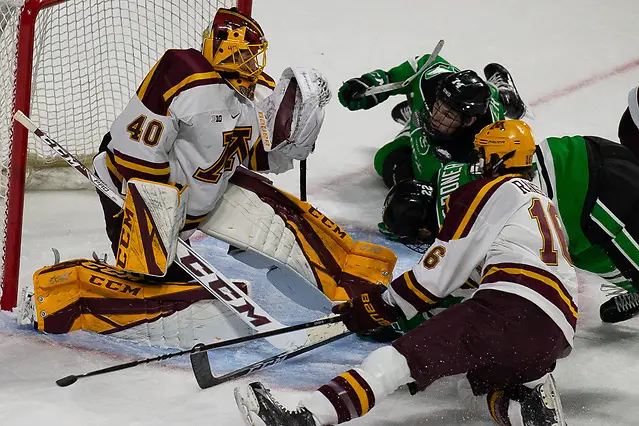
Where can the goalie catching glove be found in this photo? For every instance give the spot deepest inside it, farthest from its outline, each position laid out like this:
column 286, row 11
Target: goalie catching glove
column 368, row 311
column 292, row 116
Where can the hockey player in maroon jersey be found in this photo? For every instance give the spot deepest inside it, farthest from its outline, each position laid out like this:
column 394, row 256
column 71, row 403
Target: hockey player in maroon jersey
column 503, row 231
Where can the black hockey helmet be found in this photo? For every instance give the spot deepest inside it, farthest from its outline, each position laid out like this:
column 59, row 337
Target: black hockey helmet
column 409, row 213
column 459, row 97
column 465, row 92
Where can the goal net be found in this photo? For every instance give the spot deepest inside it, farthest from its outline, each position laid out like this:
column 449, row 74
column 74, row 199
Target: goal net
column 72, row 66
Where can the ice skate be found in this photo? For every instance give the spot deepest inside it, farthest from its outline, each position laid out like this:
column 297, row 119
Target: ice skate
column 542, row 406
column 259, row 408
column 499, row 76
column 620, row 308
column 25, row 312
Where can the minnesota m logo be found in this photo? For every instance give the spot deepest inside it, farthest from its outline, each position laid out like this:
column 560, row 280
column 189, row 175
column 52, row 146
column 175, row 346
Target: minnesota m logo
column 236, row 144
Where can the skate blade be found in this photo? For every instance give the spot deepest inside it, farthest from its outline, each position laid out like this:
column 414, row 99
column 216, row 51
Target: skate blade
column 556, row 400
column 247, row 404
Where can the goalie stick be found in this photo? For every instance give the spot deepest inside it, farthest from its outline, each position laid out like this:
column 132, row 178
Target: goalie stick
column 206, row 379
column 401, row 84
column 204, row 273
column 69, row 380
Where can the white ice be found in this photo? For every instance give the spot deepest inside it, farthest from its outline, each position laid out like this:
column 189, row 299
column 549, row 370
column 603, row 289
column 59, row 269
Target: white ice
column 573, row 62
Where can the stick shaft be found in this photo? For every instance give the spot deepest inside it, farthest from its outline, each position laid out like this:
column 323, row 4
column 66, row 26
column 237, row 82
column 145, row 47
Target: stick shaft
column 394, row 86
column 216, row 345
column 303, row 180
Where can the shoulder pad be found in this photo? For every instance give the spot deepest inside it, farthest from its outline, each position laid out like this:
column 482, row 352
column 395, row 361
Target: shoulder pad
column 176, row 71
column 466, row 204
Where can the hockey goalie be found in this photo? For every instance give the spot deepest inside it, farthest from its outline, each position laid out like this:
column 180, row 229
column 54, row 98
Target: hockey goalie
column 183, row 155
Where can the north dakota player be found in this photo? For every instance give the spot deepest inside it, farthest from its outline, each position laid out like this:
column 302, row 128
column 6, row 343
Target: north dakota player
column 446, row 107
column 519, row 322
column 594, row 183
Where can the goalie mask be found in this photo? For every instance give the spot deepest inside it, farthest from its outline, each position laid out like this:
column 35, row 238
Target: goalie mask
column 461, row 97
column 503, row 146
column 409, row 213
column 235, row 44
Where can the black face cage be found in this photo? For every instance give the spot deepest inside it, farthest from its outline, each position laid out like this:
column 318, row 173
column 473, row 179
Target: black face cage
column 427, row 117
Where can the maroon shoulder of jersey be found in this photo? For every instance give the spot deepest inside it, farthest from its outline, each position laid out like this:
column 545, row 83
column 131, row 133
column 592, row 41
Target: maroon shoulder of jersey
column 466, row 204
column 176, row 71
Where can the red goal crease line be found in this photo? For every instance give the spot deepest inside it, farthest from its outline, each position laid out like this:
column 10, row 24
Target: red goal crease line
column 587, row 83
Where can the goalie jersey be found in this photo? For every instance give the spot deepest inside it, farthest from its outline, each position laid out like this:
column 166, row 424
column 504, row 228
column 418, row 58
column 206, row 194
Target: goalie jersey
column 508, row 236
column 186, row 125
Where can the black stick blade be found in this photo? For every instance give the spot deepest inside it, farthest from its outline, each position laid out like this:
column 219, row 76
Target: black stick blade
column 202, row 369
column 66, row 381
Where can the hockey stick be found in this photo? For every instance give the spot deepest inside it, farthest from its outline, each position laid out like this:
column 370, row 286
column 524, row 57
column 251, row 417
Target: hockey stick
column 206, row 379
column 69, row 380
column 399, row 85
column 204, row 273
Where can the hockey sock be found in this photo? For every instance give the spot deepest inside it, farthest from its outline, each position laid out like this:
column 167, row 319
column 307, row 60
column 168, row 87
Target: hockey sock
column 498, row 406
column 353, row 393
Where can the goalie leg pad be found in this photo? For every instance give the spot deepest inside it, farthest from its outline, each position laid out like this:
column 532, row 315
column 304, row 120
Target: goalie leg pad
column 310, row 258
column 153, row 215
column 84, row 294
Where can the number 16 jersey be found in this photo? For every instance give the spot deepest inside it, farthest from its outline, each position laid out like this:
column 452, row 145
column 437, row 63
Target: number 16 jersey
column 511, row 233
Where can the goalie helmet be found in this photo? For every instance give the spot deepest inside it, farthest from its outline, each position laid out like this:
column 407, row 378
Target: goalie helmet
column 505, row 144
column 459, row 97
column 409, row 213
column 235, row 44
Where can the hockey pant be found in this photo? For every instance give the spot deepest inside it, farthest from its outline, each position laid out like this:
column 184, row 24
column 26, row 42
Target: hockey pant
column 393, row 162
column 610, row 215
column 499, row 340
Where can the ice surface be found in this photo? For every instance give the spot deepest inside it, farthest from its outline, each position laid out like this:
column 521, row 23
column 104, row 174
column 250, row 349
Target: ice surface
column 573, row 62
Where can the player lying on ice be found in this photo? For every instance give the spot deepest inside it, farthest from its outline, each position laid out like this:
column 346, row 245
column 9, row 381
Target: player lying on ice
column 445, row 109
column 594, row 184
column 180, row 153
column 503, row 230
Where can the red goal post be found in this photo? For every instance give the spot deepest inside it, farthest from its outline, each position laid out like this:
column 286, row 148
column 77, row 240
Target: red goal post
column 72, row 66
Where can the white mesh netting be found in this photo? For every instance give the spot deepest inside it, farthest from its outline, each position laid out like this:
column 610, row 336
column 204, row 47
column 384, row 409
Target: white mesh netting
column 90, row 57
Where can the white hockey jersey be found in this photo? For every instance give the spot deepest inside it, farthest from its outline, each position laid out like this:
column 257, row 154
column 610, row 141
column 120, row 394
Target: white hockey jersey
column 510, row 232
column 185, row 125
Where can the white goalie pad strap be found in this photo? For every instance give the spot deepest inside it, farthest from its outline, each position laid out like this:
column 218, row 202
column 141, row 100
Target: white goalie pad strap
column 263, row 241
column 153, row 213
column 300, row 118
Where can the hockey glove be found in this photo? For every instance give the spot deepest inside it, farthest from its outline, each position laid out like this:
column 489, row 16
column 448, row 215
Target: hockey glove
column 351, row 94
column 368, row 311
